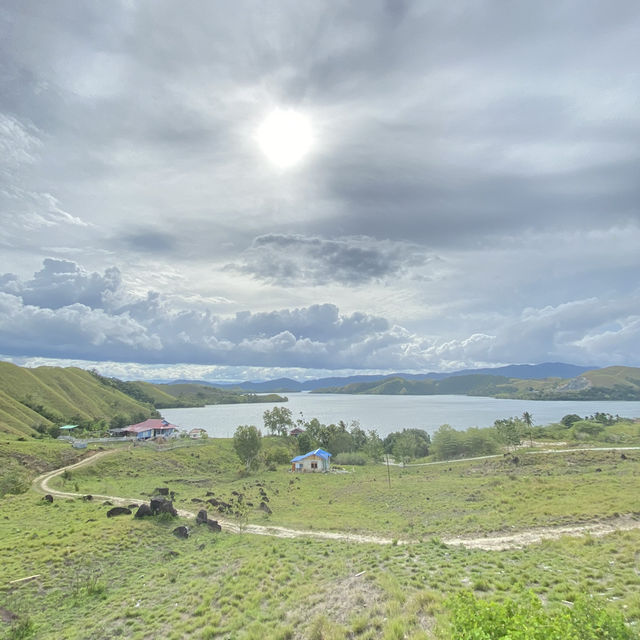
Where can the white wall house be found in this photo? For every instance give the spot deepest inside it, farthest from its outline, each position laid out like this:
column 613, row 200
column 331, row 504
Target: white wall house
column 314, row 461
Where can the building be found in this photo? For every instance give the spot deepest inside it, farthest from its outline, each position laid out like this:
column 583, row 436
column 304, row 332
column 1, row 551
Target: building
column 296, row 431
column 314, row 461
column 198, row 433
column 151, row 428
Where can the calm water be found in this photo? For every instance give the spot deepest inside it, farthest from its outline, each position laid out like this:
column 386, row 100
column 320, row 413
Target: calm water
column 391, row 413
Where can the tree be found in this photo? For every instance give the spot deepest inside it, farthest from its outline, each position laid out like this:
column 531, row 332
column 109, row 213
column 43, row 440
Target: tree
column 247, row 442
column 278, row 420
column 527, row 418
column 405, row 446
column 374, row 447
column 446, row 443
column 508, row 431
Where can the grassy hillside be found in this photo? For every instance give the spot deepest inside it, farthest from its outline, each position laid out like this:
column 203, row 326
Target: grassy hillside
column 611, row 383
column 131, row 578
column 47, row 395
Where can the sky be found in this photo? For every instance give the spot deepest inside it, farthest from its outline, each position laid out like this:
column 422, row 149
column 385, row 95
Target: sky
column 470, row 196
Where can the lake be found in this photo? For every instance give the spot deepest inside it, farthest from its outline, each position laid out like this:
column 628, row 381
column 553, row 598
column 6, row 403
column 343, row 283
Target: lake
column 391, row 413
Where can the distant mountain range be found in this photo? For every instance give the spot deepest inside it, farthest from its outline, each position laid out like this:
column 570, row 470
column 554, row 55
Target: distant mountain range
column 521, row 371
column 610, row 383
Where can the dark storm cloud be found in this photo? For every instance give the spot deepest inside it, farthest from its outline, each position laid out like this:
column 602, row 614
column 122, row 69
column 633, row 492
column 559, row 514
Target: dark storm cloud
column 317, row 261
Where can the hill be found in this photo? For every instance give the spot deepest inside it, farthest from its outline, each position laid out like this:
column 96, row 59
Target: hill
column 610, row 383
column 35, row 399
column 44, row 396
column 521, row 371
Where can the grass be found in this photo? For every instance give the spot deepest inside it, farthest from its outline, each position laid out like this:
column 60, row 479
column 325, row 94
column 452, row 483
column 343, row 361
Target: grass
column 480, row 496
column 100, row 577
column 122, row 577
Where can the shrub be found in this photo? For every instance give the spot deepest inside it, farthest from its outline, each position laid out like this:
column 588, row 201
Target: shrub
column 356, row 458
column 473, row 618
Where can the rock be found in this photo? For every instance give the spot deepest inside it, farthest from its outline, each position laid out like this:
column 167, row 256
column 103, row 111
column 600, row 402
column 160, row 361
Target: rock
column 162, row 505
column 623, row 456
column 201, row 518
column 213, row 502
column 161, row 491
column 264, row 507
column 143, row 510
column 48, row 498
column 201, row 546
column 598, row 470
column 209, row 493
column 181, row 532
column 196, row 500
column 107, row 503
column 213, row 525
column 118, row 511
column 88, row 497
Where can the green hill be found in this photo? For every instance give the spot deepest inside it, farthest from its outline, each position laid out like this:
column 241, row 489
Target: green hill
column 611, row 383
column 54, row 395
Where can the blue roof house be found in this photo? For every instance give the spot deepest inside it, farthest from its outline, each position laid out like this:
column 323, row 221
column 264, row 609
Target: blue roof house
column 314, row 461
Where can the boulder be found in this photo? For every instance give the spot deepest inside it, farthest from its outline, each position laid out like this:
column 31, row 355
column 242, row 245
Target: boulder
column 213, row 525
column 48, row 498
column 162, row 505
column 107, row 503
column 201, row 518
column 133, row 505
column 181, row 532
column 264, row 507
column 88, row 497
column 196, row 500
column 143, row 510
column 161, row 491
column 118, row 511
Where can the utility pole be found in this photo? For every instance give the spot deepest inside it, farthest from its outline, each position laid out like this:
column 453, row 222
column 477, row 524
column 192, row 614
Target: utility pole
column 388, row 472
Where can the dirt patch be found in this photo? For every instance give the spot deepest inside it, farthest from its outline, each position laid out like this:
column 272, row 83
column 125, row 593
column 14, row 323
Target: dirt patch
column 7, row 616
column 342, row 599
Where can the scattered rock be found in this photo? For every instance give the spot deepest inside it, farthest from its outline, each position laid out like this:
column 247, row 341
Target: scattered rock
column 209, row 493
column 598, row 470
column 88, row 497
column 172, row 554
column 133, row 505
column 118, row 511
column 213, row 525
column 623, row 456
column 107, row 503
column 162, row 505
column 181, row 532
column 264, row 507
column 196, row 500
column 48, row 498
column 161, row 491
column 201, row 518
column 143, row 510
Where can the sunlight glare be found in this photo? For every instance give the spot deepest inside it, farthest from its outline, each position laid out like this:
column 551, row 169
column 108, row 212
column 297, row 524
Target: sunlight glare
column 285, row 137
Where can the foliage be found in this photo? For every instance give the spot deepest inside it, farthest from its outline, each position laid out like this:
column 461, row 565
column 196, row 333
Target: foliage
column 354, row 458
column 472, row 618
column 408, row 444
column 278, row 421
column 247, row 442
column 509, row 430
column 448, row 443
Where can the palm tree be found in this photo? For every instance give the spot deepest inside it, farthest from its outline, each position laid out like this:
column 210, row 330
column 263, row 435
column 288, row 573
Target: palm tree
column 527, row 418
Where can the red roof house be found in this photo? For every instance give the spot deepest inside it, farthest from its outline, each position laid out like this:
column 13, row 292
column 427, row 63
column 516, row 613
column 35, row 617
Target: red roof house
column 150, row 429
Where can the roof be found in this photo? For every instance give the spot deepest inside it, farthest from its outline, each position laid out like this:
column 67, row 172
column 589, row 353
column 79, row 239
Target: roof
column 69, row 426
column 325, row 455
column 153, row 423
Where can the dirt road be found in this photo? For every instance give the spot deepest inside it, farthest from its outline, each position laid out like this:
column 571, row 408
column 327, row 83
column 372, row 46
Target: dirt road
column 514, row 540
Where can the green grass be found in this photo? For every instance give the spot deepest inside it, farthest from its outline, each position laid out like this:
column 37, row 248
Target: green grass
column 448, row 499
column 126, row 578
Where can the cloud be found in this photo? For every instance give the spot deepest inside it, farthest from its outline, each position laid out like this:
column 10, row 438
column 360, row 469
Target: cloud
column 290, row 258
column 62, row 283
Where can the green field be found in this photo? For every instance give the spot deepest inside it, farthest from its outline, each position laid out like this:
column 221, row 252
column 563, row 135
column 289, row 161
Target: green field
column 99, row 577
column 448, row 499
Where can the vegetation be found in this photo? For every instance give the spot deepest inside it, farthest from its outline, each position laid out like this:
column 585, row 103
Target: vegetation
column 131, row 578
column 247, row 442
column 610, row 383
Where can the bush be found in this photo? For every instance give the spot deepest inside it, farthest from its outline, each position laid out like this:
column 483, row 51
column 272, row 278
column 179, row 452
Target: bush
column 354, row 458
column 472, row 618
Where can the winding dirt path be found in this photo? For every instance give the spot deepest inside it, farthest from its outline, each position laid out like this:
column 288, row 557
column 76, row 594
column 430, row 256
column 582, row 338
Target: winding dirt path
column 489, row 543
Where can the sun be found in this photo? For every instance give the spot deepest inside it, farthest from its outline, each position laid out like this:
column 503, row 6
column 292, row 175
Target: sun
column 285, row 137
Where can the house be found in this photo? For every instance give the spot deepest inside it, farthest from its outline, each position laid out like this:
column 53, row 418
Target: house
column 150, row 429
column 198, row 433
column 318, row 460
column 296, row 431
